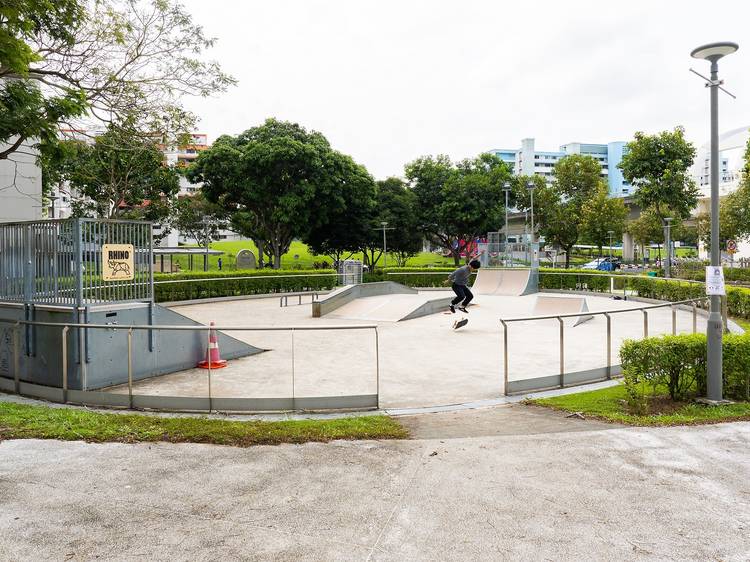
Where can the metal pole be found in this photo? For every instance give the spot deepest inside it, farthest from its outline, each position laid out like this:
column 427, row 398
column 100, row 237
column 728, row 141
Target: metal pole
column 674, row 321
column 695, row 318
column 17, row 357
column 505, row 357
column 668, row 247
column 609, row 345
column 65, row 364
column 533, row 237
column 385, row 252
column 714, row 328
column 208, row 363
column 506, row 227
column 293, row 381
column 645, row 323
column 130, row 368
column 377, row 369
column 562, row 352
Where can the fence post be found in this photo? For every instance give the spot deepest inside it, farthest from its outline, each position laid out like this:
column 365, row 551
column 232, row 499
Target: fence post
column 65, row 364
column 609, row 344
column 695, row 318
column 377, row 369
column 17, row 357
column 130, row 368
column 294, row 399
column 208, row 362
column 562, row 351
column 505, row 357
column 645, row 322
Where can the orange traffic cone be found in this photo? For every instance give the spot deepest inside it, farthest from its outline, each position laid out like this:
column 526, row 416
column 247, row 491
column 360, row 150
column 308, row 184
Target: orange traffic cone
column 213, row 358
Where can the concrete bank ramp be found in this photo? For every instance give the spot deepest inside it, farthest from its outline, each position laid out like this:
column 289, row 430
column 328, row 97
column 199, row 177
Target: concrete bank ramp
column 386, row 301
column 504, row 282
column 546, row 306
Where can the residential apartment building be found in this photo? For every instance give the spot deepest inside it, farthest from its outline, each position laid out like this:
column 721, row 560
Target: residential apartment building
column 20, row 184
column 528, row 161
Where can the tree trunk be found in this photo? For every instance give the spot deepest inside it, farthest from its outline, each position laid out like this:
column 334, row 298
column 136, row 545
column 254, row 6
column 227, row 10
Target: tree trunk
column 261, row 252
column 567, row 256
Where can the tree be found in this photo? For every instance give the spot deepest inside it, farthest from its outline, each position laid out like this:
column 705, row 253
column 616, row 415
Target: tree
column 458, row 203
column 119, row 175
column 197, row 218
column 602, row 214
column 646, row 229
column 557, row 206
column 109, row 59
column 396, row 205
column 347, row 226
column 658, row 166
column 278, row 180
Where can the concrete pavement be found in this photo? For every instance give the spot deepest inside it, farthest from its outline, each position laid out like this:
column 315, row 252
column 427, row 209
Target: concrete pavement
column 613, row 494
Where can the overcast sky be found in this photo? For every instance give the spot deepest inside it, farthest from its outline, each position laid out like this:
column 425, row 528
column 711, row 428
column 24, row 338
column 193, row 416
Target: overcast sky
column 388, row 81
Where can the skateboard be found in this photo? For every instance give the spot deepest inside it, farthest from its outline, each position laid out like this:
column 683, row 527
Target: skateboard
column 460, row 323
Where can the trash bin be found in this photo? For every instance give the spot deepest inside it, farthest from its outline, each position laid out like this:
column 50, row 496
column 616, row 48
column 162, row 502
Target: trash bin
column 651, row 274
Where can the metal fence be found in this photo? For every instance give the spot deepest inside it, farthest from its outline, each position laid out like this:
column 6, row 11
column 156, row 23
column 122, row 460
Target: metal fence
column 560, row 381
column 210, row 402
column 61, row 262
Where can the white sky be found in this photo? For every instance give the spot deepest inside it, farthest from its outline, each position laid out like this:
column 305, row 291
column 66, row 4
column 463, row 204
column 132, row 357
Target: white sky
column 388, row 81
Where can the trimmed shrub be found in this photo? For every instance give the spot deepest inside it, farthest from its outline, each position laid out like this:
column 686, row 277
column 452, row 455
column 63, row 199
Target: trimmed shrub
column 679, row 364
column 202, row 285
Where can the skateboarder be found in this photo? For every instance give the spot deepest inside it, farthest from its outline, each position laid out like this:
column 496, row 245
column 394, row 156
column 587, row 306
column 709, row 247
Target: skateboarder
column 459, row 279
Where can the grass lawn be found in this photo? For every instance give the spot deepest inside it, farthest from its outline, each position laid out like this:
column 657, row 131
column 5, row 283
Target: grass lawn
column 304, row 261
column 609, row 404
column 22, row 421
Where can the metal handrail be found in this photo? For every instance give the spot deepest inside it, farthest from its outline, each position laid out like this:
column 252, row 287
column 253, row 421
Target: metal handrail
column 235, row 278
column 66, row 326
column 608, row 315
column 602, row 312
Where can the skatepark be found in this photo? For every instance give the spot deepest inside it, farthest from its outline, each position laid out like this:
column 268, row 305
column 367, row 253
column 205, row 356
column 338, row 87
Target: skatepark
column 422, row 361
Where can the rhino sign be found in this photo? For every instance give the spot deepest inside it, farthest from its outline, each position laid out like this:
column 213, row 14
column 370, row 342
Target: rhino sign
column 117, row 262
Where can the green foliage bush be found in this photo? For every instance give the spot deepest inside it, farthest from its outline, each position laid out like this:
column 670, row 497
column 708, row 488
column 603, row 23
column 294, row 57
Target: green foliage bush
column 201, row 285
column 679, row 364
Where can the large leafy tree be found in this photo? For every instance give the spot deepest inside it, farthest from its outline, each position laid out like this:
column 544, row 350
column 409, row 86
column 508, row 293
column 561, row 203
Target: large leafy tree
column 601, row 214
column 558, row 206
column 277, row 181
column 197, row 218
column 118, row 175
column 658, row 166
column 72, row 61
column 458, row 203
column 396, row 205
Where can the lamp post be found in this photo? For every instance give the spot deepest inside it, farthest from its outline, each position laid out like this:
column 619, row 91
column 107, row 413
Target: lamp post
column 712, row 53
column 668, row 245
column 611, row 233
column 384, row 227
column 506, row 189
column 531, row 186
column 206, row 222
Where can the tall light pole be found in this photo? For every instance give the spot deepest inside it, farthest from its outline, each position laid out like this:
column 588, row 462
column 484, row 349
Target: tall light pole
column 506, row 189
column 531, row 186
column 668, row 244
column 384, row 227
column 611, row 233
column 712, row 53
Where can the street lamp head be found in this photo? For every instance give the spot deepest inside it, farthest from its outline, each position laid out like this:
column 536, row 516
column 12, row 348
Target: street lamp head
column 668, row 219
column 611, row 232
column 714, row 51
column 530, row 185
column 506, row 186
column 384, row 223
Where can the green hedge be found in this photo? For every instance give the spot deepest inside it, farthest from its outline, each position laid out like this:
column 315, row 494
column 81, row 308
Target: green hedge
column 201, row 285
column 697, row 271
column 679, row 364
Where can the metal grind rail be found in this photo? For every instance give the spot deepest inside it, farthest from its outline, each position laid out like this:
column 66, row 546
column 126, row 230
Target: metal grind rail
column 561, row 381
column 338, row 402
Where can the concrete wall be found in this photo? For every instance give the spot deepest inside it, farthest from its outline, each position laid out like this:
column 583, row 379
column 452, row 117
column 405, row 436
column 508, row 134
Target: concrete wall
column 20, row 185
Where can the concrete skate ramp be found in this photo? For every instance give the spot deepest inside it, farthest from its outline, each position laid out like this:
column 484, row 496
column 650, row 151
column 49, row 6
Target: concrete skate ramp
column 391, row 308
column 349, row 293
column 504, row 282
column 546, row 306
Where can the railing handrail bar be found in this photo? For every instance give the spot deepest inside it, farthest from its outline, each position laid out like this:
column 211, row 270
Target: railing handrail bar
column 601, row 312
column 621, row 276
column 245, row 277
column 194, row 328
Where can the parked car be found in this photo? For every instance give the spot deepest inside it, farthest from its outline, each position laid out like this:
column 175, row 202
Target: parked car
column 603, row 264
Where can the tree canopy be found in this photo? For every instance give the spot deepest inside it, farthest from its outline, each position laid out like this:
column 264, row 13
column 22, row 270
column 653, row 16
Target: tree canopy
column 67, row 62
column 457, row 203
column 658, row 166
column 601, row 214
column 278, row 181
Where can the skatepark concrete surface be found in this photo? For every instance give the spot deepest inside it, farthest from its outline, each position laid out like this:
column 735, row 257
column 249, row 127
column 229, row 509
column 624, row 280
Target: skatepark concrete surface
column 423, row 361
column 617, row 494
